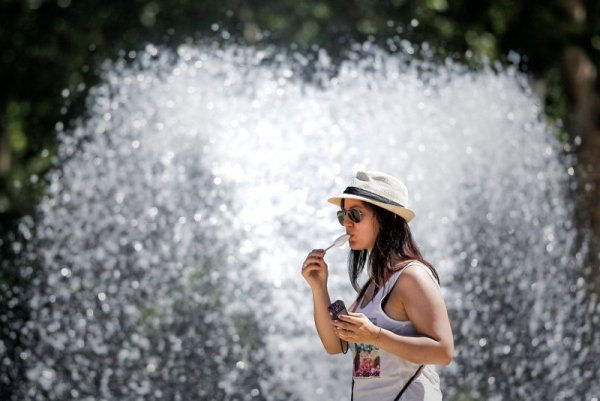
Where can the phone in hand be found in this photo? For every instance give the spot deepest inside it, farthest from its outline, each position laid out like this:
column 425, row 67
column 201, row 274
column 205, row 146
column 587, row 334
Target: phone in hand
column 337, row 308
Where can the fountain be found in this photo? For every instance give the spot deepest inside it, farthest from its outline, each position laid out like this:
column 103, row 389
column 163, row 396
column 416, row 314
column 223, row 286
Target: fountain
column 165, row 255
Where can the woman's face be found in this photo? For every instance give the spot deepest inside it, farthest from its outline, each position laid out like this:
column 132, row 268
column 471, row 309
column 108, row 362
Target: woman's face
column 364, row 233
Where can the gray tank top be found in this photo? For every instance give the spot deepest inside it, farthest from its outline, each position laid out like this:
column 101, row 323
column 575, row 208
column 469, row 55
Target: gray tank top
column 380, row 375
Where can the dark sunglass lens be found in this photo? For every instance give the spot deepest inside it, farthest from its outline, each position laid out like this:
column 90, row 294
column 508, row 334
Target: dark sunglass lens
column 354, row 215
column 340, row 216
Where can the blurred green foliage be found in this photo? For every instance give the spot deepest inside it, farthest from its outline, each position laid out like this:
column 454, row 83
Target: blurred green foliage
column 51, row 52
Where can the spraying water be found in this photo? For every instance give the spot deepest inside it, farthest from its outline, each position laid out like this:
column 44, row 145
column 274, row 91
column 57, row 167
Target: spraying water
column 166, row 253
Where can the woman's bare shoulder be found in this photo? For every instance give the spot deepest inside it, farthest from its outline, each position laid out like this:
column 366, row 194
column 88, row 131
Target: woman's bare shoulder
column 417, row 273
column 397, row 266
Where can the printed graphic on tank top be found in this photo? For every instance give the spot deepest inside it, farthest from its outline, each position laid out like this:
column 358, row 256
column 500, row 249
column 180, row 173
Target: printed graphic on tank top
column 367, row 362
column 391, row 372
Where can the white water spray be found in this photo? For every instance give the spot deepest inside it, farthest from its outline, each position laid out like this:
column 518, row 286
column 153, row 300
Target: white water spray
column 173, row 230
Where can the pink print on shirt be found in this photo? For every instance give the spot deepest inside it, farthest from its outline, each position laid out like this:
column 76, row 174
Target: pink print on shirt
column 366, row 361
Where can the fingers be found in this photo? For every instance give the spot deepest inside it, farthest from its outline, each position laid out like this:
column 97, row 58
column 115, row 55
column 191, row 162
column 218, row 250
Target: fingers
column 352, row 328
column 344, row 333
column 341, row 326
column 315, row 255
column 313, row 260
column 351, row 317
column 354, row 314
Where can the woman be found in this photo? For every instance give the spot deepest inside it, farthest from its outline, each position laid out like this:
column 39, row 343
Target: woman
column 398, row 324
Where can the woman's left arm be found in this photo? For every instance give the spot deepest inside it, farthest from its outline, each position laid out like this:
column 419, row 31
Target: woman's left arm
column 425, row 307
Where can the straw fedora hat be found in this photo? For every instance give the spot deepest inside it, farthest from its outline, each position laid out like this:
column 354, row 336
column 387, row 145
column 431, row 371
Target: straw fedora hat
column 379, row 189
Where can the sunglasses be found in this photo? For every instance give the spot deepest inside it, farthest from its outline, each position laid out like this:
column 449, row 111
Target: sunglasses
column 354, row 215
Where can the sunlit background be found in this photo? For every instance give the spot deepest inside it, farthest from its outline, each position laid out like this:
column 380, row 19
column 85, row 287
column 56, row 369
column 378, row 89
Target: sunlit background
column 164, row 169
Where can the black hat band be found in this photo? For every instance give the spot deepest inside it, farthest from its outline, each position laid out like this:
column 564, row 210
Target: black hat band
column 370, row 195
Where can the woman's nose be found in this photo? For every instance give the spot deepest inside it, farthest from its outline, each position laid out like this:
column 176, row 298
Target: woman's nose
column 347, row 221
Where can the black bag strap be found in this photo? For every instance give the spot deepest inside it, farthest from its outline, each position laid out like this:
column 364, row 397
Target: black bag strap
column 403, row 388
column 408, row 383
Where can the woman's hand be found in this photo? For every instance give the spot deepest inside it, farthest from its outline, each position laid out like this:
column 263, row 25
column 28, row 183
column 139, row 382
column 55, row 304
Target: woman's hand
column 314, row 269
column 356, row 328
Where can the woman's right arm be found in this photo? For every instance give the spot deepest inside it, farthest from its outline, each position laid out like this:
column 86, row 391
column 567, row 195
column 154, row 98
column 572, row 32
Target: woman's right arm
column 314, row 271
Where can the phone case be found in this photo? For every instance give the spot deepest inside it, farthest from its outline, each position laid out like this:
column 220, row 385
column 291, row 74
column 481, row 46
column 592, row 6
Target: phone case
column 337, row 308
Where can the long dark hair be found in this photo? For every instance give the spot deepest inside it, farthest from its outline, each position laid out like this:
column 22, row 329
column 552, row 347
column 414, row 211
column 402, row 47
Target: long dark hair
column 393, row 246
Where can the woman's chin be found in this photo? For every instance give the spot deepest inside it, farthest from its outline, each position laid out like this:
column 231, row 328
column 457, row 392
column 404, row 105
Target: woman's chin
column 356, row 247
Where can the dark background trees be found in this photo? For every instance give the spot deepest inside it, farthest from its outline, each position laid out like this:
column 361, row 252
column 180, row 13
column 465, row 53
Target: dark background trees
column 52, row 51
